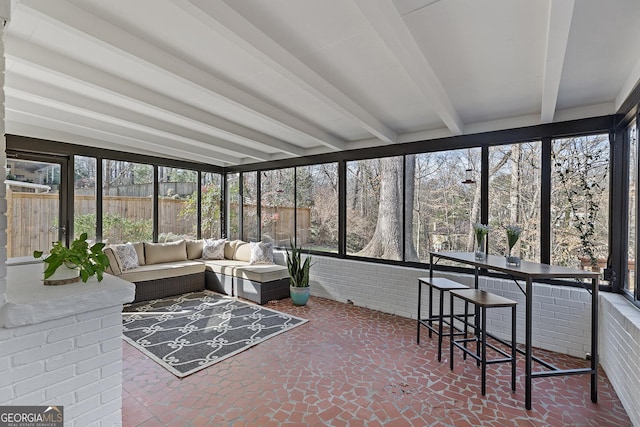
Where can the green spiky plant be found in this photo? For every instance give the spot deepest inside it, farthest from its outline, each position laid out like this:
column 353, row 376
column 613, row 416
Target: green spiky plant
column 88, row 260
column 298, row 270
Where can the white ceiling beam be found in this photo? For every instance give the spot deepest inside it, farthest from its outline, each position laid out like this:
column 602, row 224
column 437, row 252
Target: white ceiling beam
column 35, row 56
column 73, row 18
column 386, row 21
column 559, row 25
column 23, row 125
column 33, row 126
column 126, row 117
column 231, row 24
column 105, row 130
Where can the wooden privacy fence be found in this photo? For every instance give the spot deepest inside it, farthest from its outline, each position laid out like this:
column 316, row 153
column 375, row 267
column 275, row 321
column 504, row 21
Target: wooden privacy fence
column 32, row 218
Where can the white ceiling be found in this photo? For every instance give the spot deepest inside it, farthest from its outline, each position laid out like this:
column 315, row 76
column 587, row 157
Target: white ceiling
column 241, row 81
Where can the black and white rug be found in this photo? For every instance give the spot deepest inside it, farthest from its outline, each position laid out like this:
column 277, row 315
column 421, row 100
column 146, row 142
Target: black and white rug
column 187, row 333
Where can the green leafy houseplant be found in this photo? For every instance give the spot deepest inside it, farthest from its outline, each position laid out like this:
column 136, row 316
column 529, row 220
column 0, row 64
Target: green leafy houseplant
column 88, row 260
column 298, row 270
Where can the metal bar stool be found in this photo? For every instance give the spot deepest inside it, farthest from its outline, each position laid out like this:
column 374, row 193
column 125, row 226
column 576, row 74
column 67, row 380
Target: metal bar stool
column 483, row 300
column 442, row 285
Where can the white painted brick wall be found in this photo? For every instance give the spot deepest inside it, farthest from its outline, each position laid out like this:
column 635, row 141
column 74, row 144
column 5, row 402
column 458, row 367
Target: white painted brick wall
column 561, row 314
column 75, row 362
column 620, row 350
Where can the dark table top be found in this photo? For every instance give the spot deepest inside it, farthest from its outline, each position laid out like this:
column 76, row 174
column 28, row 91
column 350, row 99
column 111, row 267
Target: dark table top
column 526, row 269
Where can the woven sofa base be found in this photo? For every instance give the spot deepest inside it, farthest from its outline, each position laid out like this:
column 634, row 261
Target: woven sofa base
column 161, row 288
column 261, row 292
column 220, row 283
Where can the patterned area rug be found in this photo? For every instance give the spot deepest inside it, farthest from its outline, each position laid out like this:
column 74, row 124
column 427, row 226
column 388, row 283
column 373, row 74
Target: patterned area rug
column 189, row 332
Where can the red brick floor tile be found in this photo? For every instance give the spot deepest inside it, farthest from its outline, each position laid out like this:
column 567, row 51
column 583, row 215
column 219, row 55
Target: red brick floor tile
column 352, row 367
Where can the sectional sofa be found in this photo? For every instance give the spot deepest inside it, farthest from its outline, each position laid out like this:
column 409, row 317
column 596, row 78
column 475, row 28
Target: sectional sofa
column 165, row 269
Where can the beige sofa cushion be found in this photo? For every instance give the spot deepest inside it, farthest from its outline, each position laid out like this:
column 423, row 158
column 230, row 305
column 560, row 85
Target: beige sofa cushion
column 139, row 246
column 223, row 266
column 262, row 272
column 242, row 269
column 156, row 253
column 242, row 252
column 230, row 248
column 194, row 249
column 114, row 263
column 163, row 271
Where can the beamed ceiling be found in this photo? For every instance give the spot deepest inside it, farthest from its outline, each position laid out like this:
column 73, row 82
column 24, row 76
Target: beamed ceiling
column 243, row 81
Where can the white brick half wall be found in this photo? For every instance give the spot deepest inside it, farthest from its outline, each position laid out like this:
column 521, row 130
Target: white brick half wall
column 561, row 314
column 620, row 350
column 75, row 362
column 62, row 345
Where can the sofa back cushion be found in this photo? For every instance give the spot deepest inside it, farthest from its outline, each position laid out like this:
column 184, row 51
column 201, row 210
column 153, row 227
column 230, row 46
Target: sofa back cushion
column 194, row 249
column 242, row 252
column 114, row 263
column 139, row 246
column 156, row 253
column 230, row 248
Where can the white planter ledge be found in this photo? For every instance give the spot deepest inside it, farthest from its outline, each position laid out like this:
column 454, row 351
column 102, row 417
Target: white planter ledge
column 30, row 302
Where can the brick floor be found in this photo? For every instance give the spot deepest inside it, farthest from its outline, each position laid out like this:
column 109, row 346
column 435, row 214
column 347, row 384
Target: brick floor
column 350, row 366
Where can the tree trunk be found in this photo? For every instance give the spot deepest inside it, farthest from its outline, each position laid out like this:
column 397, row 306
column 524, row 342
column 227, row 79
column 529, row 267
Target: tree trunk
column 387, row 238
column 410, row 173
column 474, row 217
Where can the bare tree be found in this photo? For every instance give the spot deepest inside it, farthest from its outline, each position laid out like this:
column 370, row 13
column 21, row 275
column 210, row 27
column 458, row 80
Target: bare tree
column 387, row 237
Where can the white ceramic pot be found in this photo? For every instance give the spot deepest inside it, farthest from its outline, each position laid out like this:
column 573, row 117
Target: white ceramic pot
column 62, row 275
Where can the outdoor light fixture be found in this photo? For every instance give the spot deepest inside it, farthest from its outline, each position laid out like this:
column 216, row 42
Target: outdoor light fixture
column 468, row 177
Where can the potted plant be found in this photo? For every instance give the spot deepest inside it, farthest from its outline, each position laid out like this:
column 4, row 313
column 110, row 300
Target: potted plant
column 82, row 261
column 513, row 234
column 298, row 275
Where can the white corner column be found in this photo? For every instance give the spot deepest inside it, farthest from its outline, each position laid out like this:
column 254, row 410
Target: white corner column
column 5, row 15
column 62, row 345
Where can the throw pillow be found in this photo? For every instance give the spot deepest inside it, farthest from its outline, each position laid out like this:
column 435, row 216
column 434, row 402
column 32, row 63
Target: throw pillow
column 261, row 253
column 213, row 249
column 127, row 255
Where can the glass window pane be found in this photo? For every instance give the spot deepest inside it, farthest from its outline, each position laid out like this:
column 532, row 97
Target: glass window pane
column 277, row 206
column 175, row 188
column 211, row 198
column 514, row 198
column 580, row 202
column 127, row 205
column 317, row 207
column 233, row 207
column 374, row 208
column 250, row 207
column 444, row 204
column 84, row 197
column 33, row 206
column 630, row 279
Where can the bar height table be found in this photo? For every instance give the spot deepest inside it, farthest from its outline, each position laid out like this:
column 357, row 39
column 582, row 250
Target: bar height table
column 530, row 271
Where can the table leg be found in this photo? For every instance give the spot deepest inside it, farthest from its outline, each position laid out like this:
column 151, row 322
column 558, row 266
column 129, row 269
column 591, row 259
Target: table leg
column 528, row 341
column 418, row 321
column 476, row 313
column 594, row 339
